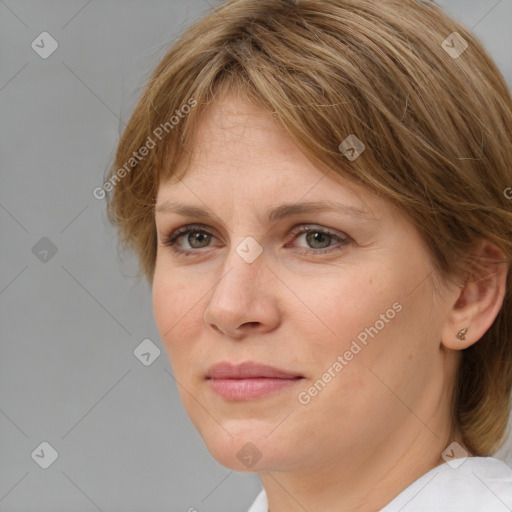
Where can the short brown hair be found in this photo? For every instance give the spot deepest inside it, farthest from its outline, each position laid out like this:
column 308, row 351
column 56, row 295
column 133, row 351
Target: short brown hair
column 437, row 129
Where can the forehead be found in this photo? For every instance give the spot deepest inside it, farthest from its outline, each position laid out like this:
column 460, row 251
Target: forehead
column 240, row 131
column 241, row 155
column 236, row 140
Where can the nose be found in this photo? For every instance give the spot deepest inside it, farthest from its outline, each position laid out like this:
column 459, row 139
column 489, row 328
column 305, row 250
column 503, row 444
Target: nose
column 242, row 302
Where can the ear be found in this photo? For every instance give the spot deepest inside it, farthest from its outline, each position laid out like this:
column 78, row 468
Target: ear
column 480, row 299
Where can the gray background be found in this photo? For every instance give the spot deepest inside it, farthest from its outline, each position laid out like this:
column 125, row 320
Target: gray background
column 69, row 325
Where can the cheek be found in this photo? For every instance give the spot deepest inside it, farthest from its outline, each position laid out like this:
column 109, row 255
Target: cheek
column 381, row 331
column 164, row 305
column 368, row 317
column 176, row 312
column 341, row 306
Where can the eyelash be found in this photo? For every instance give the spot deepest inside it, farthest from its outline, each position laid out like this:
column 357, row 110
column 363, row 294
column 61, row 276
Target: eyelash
column 171, row 239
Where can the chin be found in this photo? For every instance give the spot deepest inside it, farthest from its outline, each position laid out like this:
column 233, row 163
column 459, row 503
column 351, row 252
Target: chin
column 246, row 449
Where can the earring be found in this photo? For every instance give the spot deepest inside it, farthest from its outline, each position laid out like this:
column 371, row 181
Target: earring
column 462, row 333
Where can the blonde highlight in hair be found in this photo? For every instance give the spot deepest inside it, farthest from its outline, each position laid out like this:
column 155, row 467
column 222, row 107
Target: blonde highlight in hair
column 437, row 132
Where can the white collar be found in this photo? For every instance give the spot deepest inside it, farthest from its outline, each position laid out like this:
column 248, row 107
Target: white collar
column 479, row 484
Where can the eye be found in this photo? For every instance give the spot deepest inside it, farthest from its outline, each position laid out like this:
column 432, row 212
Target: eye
column 197, row 237
column 318, row 239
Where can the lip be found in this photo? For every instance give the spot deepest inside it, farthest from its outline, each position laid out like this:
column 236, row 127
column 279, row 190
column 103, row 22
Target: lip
column 249, row 380
column 247, row 370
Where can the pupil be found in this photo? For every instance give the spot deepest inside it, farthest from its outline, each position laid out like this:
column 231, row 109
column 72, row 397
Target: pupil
column 197, row 237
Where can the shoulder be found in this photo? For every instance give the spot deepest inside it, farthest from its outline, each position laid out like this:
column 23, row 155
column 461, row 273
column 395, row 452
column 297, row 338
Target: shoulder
column 476, row 484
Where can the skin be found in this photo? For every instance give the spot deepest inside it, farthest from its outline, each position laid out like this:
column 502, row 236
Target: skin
column 385, row 418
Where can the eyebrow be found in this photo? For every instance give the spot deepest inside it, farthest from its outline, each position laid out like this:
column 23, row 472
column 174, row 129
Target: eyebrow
column 273, row 214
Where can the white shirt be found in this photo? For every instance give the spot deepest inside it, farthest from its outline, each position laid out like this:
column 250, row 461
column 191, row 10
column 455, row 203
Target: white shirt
column 479, row 484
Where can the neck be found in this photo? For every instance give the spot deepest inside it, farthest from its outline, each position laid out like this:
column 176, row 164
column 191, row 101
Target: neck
column 366, row 483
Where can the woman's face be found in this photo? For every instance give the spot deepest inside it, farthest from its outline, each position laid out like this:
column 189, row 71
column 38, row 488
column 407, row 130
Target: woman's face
column 347, row 313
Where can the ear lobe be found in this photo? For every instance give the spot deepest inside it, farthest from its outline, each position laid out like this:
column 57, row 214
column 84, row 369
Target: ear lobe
column 479, row 301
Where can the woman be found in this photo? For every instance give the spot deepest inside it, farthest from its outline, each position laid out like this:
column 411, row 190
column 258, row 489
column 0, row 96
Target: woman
column 317, row 193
